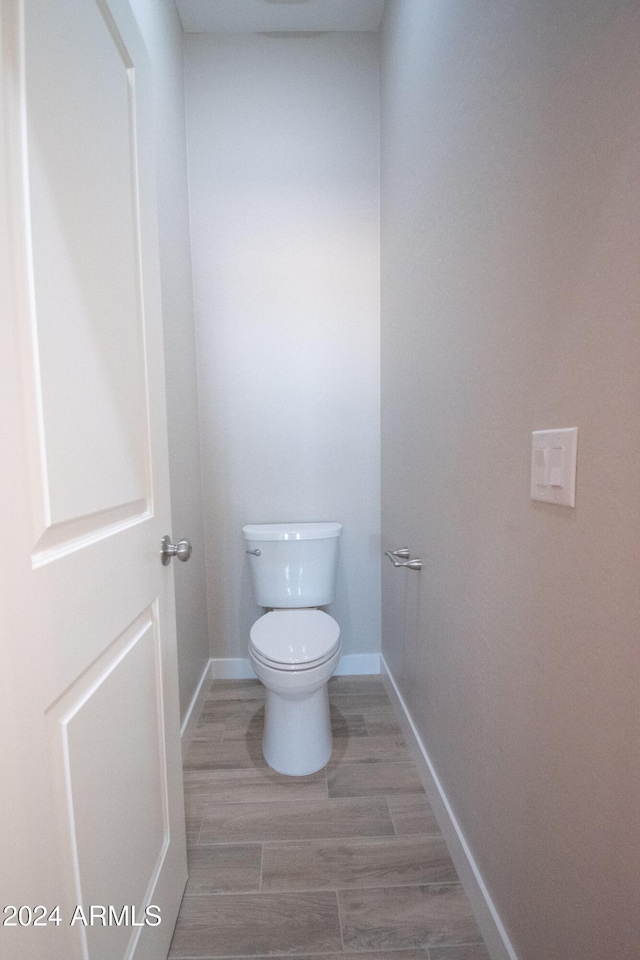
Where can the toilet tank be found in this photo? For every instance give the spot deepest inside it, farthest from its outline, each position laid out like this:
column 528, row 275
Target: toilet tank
column 293, row 564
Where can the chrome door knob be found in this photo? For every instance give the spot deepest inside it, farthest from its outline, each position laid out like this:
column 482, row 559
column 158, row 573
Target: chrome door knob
column 181, row 550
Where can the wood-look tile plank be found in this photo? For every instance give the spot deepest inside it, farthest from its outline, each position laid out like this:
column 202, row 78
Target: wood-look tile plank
column 209, row 754
column 381, row 727
column 395, row 918
column 360, row 702
column 381, row 721
column 474, row 951
column 333, row 864
column 236, row 690
column 369, row 750
column 230, row 719
column 371, row 779
column 227, row 708
column 192, row 825
column 378, row 713
column 361, row 685
column 412, row 814
column 203, row 787
column 225, row 868
column 257, row 924
column 297, row 820
column 349, row 725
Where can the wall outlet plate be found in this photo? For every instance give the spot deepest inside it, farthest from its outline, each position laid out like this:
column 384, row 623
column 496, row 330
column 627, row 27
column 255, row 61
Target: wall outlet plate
column 554, row 455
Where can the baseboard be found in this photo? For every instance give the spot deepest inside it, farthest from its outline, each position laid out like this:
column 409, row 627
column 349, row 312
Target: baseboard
column 232, row 668
column 491, row 927
column 239, row 668
column 192, row 715
column 358, row 664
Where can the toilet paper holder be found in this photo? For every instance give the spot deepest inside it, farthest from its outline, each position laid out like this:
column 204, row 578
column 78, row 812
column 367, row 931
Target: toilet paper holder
column 400, row 558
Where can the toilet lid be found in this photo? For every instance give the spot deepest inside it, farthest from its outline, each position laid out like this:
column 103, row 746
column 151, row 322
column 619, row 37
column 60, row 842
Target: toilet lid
column 295, row 636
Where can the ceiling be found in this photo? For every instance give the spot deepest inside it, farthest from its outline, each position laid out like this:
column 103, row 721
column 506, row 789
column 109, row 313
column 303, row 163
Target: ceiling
column 296, row 16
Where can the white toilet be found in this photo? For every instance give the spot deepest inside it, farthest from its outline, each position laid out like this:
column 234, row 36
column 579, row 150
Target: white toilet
column 295, row 647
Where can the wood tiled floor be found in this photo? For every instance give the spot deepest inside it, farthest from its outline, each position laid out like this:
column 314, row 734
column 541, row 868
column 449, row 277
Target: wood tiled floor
column 347, row 861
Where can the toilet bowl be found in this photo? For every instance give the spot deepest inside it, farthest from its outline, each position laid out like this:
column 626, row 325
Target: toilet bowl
column 294, row 652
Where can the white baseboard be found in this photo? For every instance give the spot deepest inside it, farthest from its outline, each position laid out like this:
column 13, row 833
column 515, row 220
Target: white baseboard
column 358, row 664
column 232, row 668
column 239, row 668
column 491, row 927
column 192, row 715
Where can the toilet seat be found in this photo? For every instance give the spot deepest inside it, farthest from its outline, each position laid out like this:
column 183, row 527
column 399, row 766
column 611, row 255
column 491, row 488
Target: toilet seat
column 291, row 668
column 294, row 639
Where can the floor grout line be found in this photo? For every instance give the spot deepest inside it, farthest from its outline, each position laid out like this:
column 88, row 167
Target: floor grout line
column 344, row 955
column 345, row 839
column 345, row 888
column 340, row 920
column 199, row 831
column 373, row 840
column 236, row 843
column 340, row 839
column 393, row 823
column 399, row 951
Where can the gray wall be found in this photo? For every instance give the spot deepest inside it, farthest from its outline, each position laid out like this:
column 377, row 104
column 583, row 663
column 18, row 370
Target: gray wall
column 283, row 179
column 510, row 291
column 162, row 32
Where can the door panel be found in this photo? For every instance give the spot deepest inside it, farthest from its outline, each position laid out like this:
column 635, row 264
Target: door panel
column 107, row 746
column 92, row 791
column 85, row 269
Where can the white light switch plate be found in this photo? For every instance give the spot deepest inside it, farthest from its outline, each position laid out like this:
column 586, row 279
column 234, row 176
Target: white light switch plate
column 553, row 465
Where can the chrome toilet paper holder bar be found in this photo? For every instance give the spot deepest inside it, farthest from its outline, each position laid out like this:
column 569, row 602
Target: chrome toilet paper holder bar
column 400, row 558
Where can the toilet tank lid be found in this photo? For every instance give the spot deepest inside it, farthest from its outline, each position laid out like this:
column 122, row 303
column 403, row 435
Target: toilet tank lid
column 292, row 531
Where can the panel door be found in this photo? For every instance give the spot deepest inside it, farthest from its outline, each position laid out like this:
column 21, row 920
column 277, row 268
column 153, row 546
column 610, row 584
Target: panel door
column 92, row 813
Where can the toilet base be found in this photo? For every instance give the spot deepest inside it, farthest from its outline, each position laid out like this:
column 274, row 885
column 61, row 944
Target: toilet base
column 297, row 732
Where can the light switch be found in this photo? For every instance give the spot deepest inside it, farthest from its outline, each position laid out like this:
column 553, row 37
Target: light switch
column 553, row 465
column 556, row 474
column 540, row 455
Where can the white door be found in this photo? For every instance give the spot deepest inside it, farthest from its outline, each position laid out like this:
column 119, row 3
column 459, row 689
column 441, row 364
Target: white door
column 92, row 813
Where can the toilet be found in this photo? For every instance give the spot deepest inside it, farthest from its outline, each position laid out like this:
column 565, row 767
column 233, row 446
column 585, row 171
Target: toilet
column 294, row 648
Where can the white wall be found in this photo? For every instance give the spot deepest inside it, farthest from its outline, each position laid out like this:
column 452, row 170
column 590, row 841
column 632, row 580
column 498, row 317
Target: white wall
column 510, row 289
column 283, row 174
column 162, row 32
